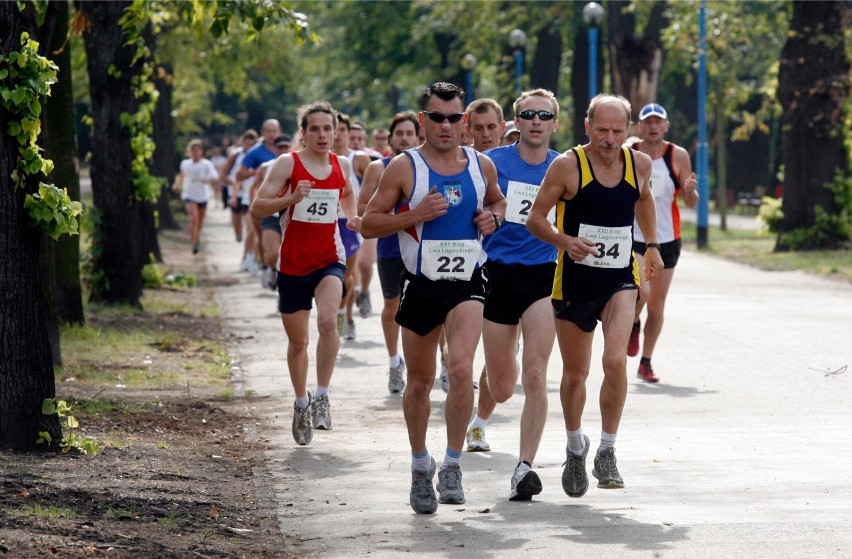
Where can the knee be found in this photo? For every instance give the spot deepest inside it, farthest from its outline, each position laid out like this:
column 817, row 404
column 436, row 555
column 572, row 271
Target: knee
column 327, row 325
column 534, row 382
column 614, row 364
column 297, row 346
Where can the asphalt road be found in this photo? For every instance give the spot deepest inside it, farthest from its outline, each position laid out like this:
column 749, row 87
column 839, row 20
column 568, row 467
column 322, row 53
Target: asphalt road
column 744, row 448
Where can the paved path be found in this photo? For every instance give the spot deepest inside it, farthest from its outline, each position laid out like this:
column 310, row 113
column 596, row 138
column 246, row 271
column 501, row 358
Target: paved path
column 744, row 448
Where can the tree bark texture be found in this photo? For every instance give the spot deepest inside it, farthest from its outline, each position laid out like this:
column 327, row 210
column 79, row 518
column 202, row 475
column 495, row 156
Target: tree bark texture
column 60, row 144
column 635, row 60
column 166, row 159
column 812, row 85
column 26, row 369
column 121, row 240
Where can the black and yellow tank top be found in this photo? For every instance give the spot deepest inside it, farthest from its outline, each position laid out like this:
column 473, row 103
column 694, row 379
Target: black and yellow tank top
column 605, row 216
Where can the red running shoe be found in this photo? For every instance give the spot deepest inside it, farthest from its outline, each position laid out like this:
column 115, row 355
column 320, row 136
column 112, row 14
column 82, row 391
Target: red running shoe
column 633, row 342
column 646, row 373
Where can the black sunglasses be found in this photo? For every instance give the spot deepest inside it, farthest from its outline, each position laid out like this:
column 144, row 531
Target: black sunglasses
column 440, row 117
column 529, row 114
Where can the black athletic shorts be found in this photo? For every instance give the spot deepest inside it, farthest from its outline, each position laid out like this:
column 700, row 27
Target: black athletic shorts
column 585, row 314
column 390, row 272
column 512, row 288
column 670, row 252
column 424, row 303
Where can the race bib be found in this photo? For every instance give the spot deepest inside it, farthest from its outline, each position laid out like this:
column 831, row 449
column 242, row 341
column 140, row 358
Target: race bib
column 449, row 260
column 320, row 206
column 614, row 244
column 658, row 182
column 519, row 201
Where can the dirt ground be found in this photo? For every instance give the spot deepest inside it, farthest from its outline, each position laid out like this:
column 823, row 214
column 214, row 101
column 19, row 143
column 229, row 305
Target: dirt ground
column 181, row 473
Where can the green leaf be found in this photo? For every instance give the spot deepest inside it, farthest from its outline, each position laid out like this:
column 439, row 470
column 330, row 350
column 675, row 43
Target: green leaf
column 48, row 406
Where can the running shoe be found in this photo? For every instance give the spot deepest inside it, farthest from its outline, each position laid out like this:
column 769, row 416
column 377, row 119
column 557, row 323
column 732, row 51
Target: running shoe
column 341, row 322
column 445, row 374
column 525, row 483
column 365, row 308
column 302, row 432
column 450, row 485
column 575, row 482
column 349, row 330
column 646, row 373
column 476, row 440
column 396, row 383
column 633, row 342
column 320, row 413
column 606, row 471
column 422, row 497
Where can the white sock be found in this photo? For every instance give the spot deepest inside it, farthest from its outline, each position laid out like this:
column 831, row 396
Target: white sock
column 451, row 458
column 395, row 361
column 607, row 441
column 302, row 401
column 421, row 463
column 320, row 391
column 575, row 442
column 478, row 422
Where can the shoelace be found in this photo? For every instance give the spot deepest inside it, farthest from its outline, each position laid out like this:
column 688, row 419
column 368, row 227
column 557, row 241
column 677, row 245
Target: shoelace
column 575, row 468
column 607, row 463
column 452, row 479
column 321, row 407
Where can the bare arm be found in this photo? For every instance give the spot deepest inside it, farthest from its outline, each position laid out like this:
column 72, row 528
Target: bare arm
column 494, row 202
column 683, row 168
column 347, row 200
column 369, row 184
column 274, row 194
column 646, row 214
column 244, row 172
column 561, row 181
column 395, row 185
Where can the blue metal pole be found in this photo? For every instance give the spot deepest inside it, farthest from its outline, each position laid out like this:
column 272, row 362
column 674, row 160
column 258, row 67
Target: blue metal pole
column 468, row 91
column 703, row 182
column 593, row 62
column 519, row 70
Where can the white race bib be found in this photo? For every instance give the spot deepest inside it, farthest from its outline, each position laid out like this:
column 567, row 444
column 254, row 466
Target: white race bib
column 614, row 244
column 319, row 206
column 449, row 260
column 519, row 201
column 658, row 182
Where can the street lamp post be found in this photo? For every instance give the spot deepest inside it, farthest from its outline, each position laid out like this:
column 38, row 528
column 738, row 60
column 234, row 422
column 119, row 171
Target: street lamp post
column 702, row 155
column 468, row 63
column 592, row 17
column 518, row 40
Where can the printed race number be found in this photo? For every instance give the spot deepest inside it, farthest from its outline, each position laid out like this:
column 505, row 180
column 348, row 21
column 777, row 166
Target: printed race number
column 449, row 260
column 519, row 201
column 614, row 244
column 319, row 206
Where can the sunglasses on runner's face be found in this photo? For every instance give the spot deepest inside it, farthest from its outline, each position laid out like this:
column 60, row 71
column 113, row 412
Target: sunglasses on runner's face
column 440, row 117
column 529, row 114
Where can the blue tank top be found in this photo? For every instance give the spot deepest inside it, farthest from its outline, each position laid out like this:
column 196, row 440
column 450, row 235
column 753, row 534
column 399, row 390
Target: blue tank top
column 519, row 181
column 446, row 248
column 388, row 247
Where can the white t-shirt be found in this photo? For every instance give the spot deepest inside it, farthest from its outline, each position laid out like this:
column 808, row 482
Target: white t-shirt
column 194, row 175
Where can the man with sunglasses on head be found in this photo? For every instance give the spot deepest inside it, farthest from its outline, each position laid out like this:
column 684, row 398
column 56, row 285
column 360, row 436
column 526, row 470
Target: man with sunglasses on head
column 671, row 173
column 520, row 271
column 598, row 190
column 440, row 198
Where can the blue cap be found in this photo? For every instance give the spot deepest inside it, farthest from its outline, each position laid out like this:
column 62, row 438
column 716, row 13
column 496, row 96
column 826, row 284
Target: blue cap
column 652, row 109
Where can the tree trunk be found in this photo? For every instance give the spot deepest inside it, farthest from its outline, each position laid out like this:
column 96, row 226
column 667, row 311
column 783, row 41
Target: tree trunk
column 60, row 144
column 547, row 58
column 122, row 239
column 26, row 370
column 636, row 60
column 812, row 85
column 166, row 160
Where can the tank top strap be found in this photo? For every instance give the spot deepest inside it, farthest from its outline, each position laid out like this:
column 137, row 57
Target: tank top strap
column 585, row 169
column 629, row 168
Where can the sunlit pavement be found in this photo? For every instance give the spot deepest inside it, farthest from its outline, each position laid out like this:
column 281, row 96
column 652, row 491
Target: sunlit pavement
column 743, row 449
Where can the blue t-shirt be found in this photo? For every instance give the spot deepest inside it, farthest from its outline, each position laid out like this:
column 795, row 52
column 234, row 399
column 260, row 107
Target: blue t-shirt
column 257, row 156
column 519, row 181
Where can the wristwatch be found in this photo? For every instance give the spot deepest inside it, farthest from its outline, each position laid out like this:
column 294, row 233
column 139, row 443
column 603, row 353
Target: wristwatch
column 652, row 245
column 498, row 221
